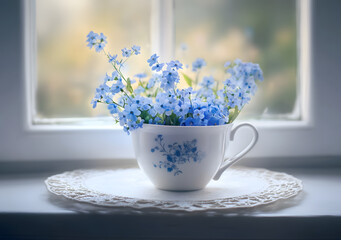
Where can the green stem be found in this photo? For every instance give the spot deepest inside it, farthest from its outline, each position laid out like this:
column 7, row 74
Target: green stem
column 123, row 63
column 114, row 65
column 112, row 102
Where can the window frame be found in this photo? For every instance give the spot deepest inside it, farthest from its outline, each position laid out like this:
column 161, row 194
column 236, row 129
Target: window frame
column 61, row 142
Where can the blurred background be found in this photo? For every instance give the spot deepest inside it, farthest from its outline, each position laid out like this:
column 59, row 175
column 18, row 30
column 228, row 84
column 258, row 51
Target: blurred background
column 263, row 31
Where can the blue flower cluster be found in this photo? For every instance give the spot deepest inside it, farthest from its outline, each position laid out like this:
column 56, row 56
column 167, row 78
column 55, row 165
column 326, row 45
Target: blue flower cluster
column 157, row 100
column 240, row 86
column 98, row 41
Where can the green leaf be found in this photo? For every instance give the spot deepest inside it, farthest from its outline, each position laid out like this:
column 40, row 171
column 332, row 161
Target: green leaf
column 129, row 87
column 156, row 91
column 233, row 114
column 187, row 79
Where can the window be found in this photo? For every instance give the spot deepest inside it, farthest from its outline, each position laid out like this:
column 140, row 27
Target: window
column 262, row 31
column 67, row 134
column 67, row 72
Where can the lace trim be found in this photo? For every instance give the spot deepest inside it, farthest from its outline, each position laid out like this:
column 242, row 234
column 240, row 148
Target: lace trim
column 278, row 186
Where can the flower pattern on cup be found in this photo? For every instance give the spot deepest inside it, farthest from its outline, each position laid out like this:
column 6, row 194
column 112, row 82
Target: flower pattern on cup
column 176, row 154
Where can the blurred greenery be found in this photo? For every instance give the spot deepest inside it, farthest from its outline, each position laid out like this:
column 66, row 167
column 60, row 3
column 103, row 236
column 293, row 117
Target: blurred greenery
column 262, row 31
column 68, row 71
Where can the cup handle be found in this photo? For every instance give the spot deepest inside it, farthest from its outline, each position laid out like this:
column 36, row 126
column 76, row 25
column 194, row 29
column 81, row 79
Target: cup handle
column 228, row 162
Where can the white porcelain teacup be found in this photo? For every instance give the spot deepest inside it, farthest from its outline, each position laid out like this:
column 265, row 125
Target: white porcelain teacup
column 184, row 158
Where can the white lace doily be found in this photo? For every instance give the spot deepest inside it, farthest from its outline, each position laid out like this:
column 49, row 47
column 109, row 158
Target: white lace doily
column 237, row 188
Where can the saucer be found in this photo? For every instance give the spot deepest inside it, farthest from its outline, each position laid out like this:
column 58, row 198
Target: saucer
column 237, row 188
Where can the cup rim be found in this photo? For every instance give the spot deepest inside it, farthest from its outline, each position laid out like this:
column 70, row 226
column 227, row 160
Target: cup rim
column 187, row 127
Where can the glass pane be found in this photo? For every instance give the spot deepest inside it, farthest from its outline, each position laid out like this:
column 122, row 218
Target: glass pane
column 260, row 31
column 68, row 71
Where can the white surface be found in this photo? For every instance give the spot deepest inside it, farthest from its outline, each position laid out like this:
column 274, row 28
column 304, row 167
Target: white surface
column 321, row 197
column 238, row 188
column 120, row 183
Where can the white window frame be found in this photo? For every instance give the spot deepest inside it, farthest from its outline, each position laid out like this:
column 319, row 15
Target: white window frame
column 90, row 142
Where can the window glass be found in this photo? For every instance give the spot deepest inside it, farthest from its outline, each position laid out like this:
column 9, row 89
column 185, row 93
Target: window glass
column 261, row 31
column 68, row 72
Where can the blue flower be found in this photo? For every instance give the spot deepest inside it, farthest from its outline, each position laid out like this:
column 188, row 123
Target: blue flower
column 169, row 78
column 155, row 78
column 119, row 63
column 182, row 110
column 136, row 49
column 98, row 41
column 126, row 129
column 92, row 39
column 103, row 89
column 112, row 58
column 122, row 118
column 227, row 64
column 139, row 90
column 231, row 82
column 107, row 78
column 175, row 64
column 133, row 110
column 115, row 75
column 198, row 64
column 95, row 100
column 198, row 114
column 162, row 103
column 191, row 122
column 140, row 75
column 117, row 87
column 207, row 82
column 152, row 60
column 205, row 106
column 213, row 121
column 102, row 38
column 113, row 108
column 152, row 112
column 94, row 103
column 158, row 67
column 99, row 46
column 126, row 52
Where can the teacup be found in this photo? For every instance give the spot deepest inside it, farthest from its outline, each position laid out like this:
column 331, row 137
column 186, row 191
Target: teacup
column 185, row 158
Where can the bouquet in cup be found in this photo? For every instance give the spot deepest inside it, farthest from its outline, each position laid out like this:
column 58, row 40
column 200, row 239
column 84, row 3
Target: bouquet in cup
column 156, row 99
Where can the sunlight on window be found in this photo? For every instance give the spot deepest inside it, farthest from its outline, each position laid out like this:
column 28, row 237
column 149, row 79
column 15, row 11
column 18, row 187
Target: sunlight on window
column 68, row 72
column 262, row 31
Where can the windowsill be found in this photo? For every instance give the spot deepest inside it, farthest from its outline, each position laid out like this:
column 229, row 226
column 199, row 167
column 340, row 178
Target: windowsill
column 28, row 210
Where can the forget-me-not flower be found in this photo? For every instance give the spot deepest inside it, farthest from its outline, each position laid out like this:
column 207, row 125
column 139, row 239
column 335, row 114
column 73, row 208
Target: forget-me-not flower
column 158, row 67
column 112, row 58
column 207, row 82
column 136, row 49
column 152, row 60
column 158, row 100
column 175, row 64
column 198, row 64
column 113, row 108
column 126, row 52
column 140, row 75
